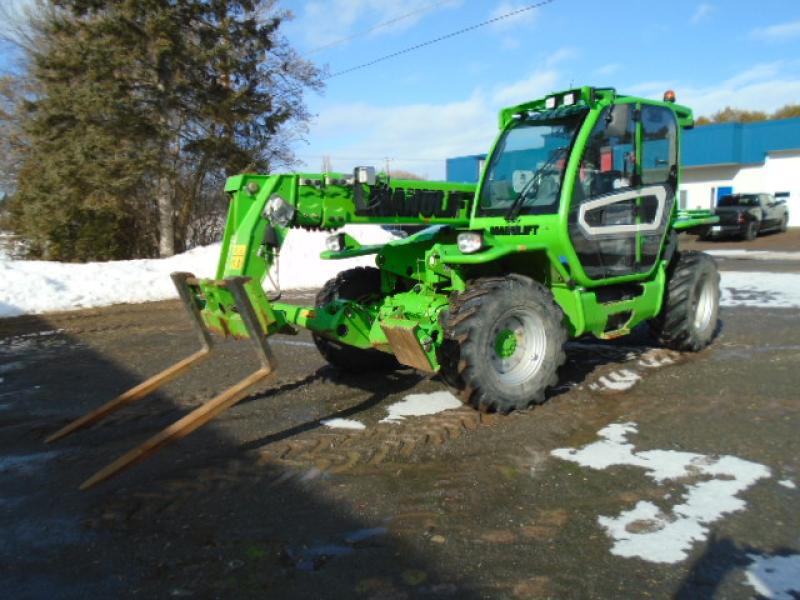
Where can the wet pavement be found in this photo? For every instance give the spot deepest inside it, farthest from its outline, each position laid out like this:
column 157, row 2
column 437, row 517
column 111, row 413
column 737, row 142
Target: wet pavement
column 647, row 474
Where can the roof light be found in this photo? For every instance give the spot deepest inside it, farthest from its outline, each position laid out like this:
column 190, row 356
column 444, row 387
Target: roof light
column 569, row 99
column 669, row 96
column 550, row 102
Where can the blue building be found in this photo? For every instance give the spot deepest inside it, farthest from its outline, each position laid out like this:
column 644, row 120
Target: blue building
column 717, row 160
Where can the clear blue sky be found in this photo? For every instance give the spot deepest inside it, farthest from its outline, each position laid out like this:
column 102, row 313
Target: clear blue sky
column 442, row 100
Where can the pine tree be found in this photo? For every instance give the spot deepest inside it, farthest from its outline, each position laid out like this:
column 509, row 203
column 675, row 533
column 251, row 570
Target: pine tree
column 143, row 105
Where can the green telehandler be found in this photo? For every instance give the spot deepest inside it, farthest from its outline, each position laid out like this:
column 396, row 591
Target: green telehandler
column 572, row 230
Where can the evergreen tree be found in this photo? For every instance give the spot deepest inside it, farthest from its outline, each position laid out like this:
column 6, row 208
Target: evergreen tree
column 143, row 104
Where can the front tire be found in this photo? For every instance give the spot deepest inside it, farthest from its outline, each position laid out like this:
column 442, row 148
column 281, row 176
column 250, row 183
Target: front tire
column 504, row 343
column 362, row 284
column 688, row 319
column 784, row 224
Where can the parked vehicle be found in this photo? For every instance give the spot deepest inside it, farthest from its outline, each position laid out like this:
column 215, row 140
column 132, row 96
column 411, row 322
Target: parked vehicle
column 747, row 215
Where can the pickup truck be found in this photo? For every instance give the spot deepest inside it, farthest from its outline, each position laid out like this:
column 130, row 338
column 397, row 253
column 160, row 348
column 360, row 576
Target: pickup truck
column 747, row 215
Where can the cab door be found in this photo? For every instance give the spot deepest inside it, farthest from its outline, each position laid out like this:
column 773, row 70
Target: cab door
column 625, row 190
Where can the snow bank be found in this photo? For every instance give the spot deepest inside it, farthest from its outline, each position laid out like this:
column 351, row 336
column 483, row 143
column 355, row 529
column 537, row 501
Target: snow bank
column 33, row 287
column 754, row 254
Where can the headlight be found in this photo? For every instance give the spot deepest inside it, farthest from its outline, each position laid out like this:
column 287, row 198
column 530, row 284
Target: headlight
column 278, row 211
column 469, row 242
column 335, row 242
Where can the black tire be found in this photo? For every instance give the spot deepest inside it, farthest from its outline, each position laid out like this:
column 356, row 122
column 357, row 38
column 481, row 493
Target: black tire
column 478, row 335
column 688, row 319
column 362, row 284
column 784, row 224
column 751, row 231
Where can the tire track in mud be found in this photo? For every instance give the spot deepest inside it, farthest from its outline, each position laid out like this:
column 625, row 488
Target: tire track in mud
column 322, row 453
column 336, row 453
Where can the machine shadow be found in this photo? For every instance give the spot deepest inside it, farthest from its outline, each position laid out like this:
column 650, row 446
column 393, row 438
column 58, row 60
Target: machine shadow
column 202, row 517
column 721, row 558
column 380, row 386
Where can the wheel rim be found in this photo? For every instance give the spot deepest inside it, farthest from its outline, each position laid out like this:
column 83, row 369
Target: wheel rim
column 517, row 346
column 705, row 304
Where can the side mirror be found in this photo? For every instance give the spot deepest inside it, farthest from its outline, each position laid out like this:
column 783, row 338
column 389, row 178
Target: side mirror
column 618, row 120
column 364, row 175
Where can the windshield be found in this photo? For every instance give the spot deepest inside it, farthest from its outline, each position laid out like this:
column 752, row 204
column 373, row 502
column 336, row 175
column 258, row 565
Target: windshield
column 738, row 201
column 527, row 168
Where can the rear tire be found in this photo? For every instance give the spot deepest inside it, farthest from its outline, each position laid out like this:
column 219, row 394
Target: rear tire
column 504, row 343
column 688, row 319
column 362, row 284
column 751, row 231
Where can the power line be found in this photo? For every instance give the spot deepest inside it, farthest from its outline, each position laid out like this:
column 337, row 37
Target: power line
column 397, row 19
column 442, row 38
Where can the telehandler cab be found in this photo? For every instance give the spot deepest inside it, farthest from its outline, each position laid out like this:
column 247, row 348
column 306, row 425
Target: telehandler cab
column 571, row 230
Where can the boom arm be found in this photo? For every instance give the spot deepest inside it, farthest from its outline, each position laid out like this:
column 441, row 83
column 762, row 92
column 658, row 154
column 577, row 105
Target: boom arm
column 264, row 208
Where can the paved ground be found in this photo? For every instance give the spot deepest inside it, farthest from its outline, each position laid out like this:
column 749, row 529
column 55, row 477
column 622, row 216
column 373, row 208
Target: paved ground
column 266, row 502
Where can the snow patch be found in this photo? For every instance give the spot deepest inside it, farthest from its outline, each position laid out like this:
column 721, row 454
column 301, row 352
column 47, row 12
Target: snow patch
column 754, row 254
column 619, row 381
column 775, row 577
column 648, row 532
column 655, row 362
column 788, row 483
column 759, row 289
column 417, row 405
column 343, row 424
column 33, row 287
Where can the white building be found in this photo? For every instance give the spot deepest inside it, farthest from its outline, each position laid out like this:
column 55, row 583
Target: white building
column 742, row 158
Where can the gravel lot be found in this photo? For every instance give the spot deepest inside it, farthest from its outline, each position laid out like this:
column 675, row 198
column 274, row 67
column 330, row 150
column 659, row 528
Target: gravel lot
column 646, row 474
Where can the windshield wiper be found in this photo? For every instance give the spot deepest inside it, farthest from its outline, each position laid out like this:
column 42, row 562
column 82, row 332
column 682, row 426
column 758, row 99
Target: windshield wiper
column 532, row 185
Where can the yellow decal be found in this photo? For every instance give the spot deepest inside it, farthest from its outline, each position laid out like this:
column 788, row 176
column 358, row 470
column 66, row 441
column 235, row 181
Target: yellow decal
column 237, row 258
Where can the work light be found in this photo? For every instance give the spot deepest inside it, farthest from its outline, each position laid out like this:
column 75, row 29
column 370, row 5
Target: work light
column 469, row 241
